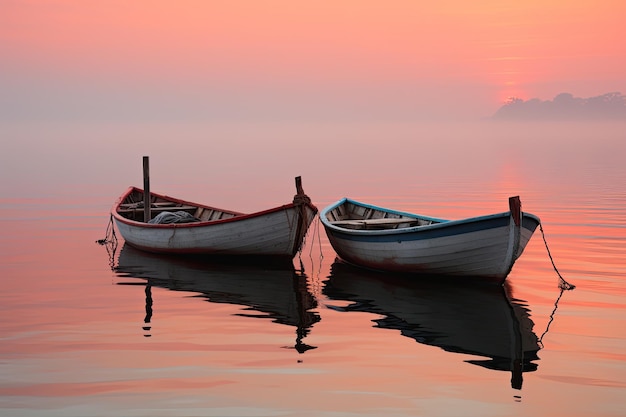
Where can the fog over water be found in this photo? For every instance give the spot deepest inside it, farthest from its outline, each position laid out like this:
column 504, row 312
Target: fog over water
column 445, row 109
column 342, row 341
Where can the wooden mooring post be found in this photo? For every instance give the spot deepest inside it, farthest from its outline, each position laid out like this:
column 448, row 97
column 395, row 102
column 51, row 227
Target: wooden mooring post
column 146, row 189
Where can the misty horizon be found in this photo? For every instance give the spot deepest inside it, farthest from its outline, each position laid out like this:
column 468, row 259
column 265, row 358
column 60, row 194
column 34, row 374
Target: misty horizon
column 564, row 106
column 65, row 103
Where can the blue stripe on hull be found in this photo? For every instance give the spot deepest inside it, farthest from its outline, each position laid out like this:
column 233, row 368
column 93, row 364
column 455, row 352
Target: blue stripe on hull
column 529, row 223
column 423, row 232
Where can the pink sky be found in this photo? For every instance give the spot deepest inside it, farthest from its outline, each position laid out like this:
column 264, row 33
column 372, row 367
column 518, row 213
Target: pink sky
column 274, row 59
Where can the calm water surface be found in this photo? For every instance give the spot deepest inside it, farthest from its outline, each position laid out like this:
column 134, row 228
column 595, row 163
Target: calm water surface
column 87, row 331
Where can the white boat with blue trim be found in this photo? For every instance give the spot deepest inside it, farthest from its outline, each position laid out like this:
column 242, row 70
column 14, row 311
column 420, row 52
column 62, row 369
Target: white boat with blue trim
column 389, row 240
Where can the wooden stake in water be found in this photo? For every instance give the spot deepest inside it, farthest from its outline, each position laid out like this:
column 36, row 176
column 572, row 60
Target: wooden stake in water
column 146, row 189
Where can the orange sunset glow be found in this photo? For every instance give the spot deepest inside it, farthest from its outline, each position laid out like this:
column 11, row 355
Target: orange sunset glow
column 360, row 59
column 445, row 109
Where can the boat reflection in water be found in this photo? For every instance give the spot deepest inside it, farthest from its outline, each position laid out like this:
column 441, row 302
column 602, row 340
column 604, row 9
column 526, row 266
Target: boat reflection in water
column 463, row 317
column 278, row 293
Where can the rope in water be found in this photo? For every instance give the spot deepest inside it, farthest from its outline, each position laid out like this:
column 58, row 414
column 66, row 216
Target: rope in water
column 316, row 233
column 563, row 284
column 316, row 268
column 556, row 305
column 110, row 241
column 110, row 235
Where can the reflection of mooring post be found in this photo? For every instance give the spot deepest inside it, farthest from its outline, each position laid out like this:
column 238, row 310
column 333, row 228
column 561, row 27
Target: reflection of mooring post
column 146, row 189
column 517, row 373
column 305, row 301
column 517, row 369
column 148, row 309
column 517, row 343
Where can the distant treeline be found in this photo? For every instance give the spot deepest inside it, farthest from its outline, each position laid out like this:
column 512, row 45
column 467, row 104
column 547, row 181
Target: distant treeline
column 565, row 107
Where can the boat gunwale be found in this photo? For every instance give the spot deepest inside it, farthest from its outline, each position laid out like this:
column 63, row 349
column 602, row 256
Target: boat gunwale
column 238, row 216
column 439, row 223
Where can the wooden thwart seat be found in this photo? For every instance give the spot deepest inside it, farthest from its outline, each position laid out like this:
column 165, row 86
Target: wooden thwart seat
column 378, row 222
column 157, row 209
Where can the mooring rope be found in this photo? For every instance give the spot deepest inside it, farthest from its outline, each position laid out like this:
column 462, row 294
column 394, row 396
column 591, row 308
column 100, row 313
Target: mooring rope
column 110, row 241
column 316, row 232
column 110, row 235
column 563, row 284
column 556, row 306
column 303, row 223
column 316, row 269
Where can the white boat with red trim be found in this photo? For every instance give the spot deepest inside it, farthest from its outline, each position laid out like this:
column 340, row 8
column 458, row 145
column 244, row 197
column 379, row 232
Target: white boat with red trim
column 181, row 227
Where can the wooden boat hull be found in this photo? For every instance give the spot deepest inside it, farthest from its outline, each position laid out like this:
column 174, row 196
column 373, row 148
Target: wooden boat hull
column 278, row 232
column 485, row 246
